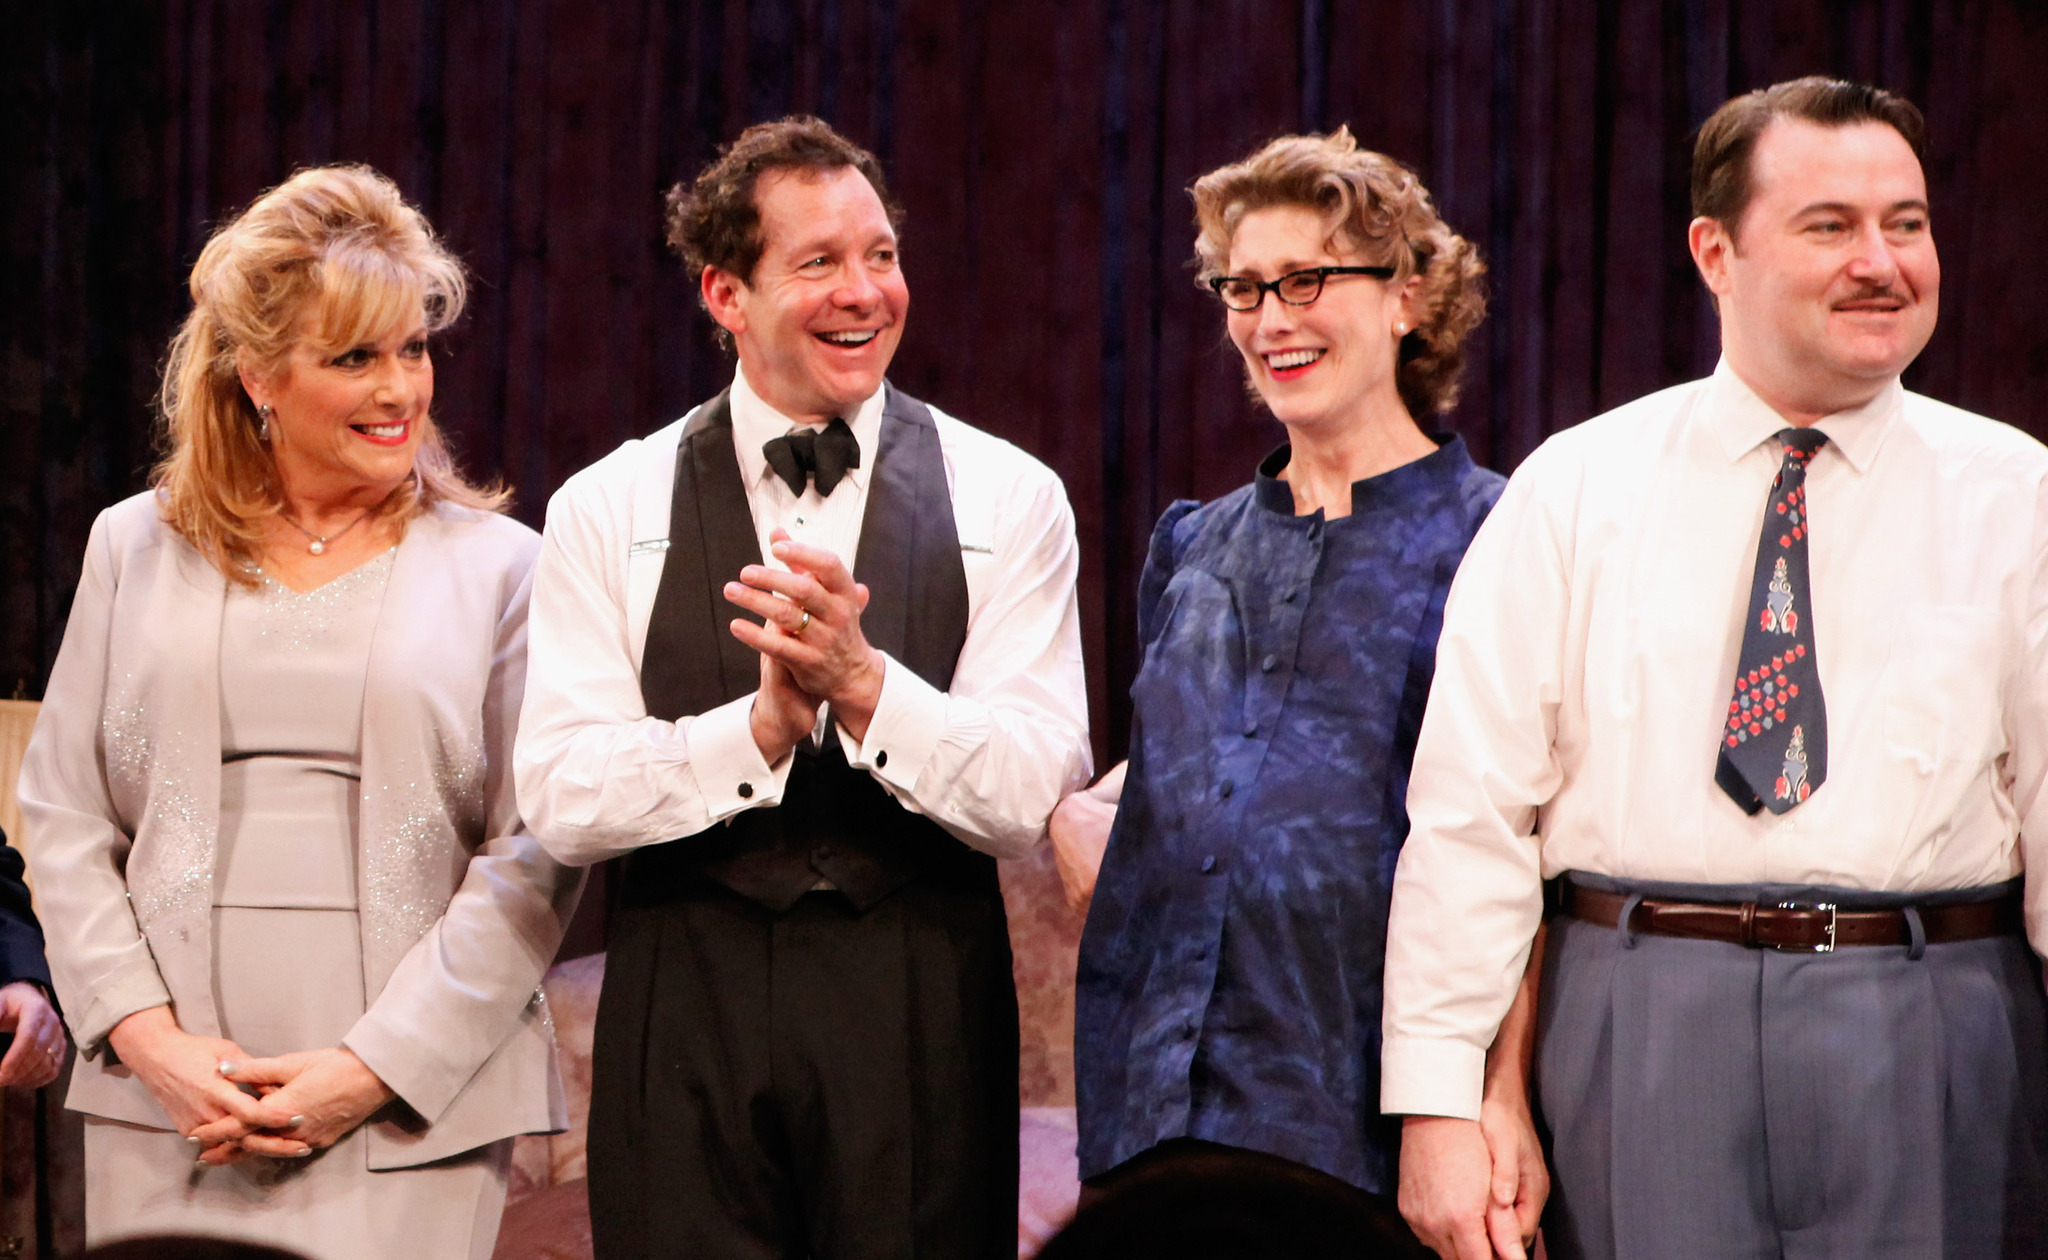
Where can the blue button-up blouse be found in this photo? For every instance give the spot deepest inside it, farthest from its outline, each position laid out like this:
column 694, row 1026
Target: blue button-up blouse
column 1229, row 984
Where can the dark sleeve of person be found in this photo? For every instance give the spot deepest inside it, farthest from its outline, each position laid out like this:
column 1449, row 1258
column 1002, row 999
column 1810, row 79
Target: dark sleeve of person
column 21, row 937
column 1161, row 559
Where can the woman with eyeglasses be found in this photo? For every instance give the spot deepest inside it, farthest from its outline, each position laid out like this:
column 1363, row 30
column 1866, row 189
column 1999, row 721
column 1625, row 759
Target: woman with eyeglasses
column 1229, row 983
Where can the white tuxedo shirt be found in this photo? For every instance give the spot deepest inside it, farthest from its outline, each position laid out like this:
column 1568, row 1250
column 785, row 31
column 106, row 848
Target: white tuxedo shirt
column 987, row 759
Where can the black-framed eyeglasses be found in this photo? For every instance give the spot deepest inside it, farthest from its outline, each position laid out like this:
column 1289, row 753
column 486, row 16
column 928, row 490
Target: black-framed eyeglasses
column 1296, row 288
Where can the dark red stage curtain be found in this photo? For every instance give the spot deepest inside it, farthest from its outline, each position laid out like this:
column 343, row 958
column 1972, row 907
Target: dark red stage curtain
column 1042, row 149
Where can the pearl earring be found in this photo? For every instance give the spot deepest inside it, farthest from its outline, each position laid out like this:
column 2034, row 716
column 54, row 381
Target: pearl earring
column 263, row 414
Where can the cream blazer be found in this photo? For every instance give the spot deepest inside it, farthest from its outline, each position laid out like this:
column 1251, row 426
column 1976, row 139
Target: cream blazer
column 461, row 910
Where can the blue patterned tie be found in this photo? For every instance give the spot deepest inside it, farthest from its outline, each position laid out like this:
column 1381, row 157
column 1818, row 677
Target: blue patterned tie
column 1774, row 750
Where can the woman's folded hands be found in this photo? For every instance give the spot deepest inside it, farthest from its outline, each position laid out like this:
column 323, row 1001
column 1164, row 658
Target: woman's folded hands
column 230, row 1105
column 305, row 1102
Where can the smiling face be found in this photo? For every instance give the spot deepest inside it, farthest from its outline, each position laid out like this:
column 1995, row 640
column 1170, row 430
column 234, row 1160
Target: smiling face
column 1327, row 364
column 1831, row 285
column 819, row 321
column 347, row 422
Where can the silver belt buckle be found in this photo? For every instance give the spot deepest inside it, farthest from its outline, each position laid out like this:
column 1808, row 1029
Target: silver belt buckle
column 1825, row 947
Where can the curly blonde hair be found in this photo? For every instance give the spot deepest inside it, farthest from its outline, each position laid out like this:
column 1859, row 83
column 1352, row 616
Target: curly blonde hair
column 335, row 249
column 1377, row 206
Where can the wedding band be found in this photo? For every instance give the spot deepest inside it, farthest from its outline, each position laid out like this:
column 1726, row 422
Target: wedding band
column 802, row 626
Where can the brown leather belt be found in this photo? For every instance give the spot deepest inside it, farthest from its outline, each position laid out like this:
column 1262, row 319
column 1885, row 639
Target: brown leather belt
column 1818, row 928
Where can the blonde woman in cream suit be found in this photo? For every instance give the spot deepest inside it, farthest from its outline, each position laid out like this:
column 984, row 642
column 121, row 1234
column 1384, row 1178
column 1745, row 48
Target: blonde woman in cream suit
column 293, row 913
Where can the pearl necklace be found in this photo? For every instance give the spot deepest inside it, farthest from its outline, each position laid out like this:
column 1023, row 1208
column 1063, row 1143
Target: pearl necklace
column 318, row 545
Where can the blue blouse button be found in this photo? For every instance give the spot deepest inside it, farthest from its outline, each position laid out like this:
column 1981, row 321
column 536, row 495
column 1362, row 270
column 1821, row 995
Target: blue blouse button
column 1269, row 664
column 1208, row 864
column 1226, row 788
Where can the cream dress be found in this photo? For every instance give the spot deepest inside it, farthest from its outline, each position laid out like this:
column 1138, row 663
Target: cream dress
column 288, row 970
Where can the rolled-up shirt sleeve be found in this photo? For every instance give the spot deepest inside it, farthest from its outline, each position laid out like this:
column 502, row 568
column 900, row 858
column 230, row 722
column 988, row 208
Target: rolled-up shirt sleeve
column 597, row 776
column 1468, row 891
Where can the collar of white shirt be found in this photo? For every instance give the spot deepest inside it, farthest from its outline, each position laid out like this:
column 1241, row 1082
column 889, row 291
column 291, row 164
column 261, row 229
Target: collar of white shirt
column 755, row 423
column 1744, row 421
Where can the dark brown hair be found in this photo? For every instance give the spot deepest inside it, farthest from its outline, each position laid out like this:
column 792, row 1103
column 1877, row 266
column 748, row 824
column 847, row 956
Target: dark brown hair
column 1374, row 204
column 715, row 222
column 1722, row 182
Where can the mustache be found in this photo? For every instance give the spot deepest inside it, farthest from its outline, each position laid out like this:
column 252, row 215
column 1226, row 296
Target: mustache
column 1880, row 293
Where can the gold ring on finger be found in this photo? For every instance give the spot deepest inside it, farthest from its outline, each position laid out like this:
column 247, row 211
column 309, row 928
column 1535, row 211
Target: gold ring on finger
column 802, row 626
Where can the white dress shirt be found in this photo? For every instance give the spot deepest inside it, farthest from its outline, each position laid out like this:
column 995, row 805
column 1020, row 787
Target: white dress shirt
column 1588, row 658
column 987, row 759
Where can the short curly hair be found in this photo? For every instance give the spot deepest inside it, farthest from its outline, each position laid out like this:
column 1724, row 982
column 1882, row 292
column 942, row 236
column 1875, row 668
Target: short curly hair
column 1376, row 205
column 714, row 221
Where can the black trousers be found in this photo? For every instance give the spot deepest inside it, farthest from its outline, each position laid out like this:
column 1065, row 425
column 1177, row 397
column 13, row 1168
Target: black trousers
column 820, row 1083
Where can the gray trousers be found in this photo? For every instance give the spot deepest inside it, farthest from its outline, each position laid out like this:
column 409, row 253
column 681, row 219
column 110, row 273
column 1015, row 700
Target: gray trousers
column 1706, row 1100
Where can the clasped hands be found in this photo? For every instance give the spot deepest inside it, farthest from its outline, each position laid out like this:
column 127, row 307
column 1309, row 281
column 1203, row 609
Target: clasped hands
column 302, row 1102
column 1474, row 1189
column 812, row 650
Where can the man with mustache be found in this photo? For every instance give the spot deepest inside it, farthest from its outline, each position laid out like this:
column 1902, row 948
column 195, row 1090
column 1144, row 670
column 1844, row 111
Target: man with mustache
column 1754, row 671
column 810, row 657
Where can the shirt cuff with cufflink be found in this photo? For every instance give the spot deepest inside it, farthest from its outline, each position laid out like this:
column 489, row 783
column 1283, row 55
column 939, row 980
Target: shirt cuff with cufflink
column 732, row 775
column 909, row 718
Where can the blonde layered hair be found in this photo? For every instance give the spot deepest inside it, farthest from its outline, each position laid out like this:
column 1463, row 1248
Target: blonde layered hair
column 334, row 251
column 1377, row 206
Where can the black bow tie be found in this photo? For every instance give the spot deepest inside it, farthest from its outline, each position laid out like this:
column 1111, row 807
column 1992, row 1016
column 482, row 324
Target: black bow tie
column 804, row 454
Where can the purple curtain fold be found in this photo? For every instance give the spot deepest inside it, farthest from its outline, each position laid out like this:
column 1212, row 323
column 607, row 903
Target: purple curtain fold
column 1042, row 150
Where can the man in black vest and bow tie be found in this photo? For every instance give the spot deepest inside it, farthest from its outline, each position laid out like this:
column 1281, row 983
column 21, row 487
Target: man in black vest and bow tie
column 810, row 658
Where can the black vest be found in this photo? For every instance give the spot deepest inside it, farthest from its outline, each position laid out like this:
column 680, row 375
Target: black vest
column 834, row 821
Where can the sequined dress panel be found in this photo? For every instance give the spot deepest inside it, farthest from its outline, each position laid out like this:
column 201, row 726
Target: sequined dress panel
column 288, row 960
column 291, row 692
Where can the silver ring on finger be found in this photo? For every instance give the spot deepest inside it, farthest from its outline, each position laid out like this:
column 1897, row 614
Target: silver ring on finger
column 802, row 626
